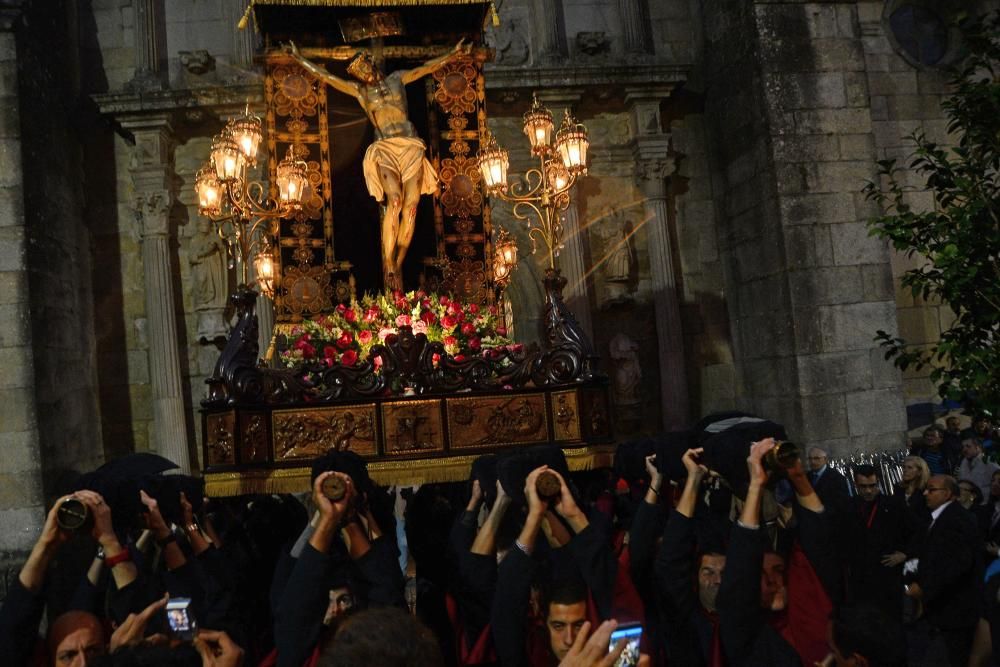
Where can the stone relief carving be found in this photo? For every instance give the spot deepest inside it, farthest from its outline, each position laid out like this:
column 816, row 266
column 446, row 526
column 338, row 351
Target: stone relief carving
column 210, row 281
column 655, row 169
column 627, row 372
column 509, row 41
column 619, row 255
column 593, row 43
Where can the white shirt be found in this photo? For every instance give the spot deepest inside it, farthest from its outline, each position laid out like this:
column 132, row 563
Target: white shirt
column 936, row 513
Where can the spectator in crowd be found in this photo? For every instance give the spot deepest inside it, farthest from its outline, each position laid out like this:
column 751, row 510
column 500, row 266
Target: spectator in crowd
column 949, row 573
column 982, row 429
column 990, row 518
column 830, row 485
column 911, row 488
column 969, row 495
column 974, row 466
column 939, row 460
column 863, row 636
column 952, row 438
column 884, row 534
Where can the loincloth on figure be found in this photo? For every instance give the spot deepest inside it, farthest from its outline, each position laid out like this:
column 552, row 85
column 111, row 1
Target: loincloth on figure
column 404, row 156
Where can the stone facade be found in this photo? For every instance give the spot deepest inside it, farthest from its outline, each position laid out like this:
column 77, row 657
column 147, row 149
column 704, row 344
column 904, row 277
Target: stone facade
column 730, row 142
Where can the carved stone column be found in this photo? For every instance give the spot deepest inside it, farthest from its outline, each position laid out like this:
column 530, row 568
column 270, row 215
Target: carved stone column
column 551, row 29
column 654, row 163
column 153, row 177
column 633, row 17
column 149, row 45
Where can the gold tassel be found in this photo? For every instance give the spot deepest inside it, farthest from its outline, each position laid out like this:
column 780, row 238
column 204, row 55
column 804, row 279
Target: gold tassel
column 494, row 14
column 245, row 19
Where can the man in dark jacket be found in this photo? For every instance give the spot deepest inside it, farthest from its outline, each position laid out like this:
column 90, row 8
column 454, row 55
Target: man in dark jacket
column 883, row 535
column 830, row 485
column 950, row 570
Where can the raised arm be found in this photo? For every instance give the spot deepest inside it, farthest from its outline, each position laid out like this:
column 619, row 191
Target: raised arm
column 429, row 67
column 321, row 73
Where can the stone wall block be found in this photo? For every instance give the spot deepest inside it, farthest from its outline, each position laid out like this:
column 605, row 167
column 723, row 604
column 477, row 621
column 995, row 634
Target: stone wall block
column 885, row 375
column 805, row 90
column 853, row 326
column 825, row 416
column 15, row 325
column 834, row 373
column 12, row 249
column 846, row 176
column 805, row 148
column 833, row 121
column 18, row 372
column 770, row 377
column 825, row 286
column 817, row 208
column 17, row 410
column 853, row 245
column 20, row 451
column 919, row 107
column 877, row 282
column 893, row 83
column 875, row 411
column 19, row 526
column 856, row 89
column 857, row 147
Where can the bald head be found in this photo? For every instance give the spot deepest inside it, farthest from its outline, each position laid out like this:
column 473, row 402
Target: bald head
column 74, row 639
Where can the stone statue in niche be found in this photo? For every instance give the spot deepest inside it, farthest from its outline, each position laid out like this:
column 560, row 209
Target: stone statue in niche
column 627, row 374
column 620, row 256
column 593, row 43
column 395, row 166
column 209, row 282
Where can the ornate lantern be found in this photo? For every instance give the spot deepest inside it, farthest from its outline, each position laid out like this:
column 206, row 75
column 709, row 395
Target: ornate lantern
column 538, row 127
column 291, row 178
column 572, row 144
column 493, row 163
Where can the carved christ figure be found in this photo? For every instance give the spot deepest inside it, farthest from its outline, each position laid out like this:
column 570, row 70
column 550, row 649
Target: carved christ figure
column 395, row 165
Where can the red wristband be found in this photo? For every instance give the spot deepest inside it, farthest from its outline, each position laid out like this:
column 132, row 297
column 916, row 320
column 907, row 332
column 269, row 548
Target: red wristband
column 121, row 557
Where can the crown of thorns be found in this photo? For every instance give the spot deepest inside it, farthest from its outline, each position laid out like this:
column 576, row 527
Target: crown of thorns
column 354, row 67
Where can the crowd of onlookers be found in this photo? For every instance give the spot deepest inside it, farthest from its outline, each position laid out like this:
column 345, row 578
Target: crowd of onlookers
column 722, row 545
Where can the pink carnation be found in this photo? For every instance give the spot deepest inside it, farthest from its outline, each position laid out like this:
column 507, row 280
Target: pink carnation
column 403, row 320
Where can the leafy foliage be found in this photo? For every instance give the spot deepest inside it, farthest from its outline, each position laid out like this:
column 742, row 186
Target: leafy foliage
column 960, row 238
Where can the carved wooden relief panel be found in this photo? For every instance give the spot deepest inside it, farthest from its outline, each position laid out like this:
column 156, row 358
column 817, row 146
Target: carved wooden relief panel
column 254, row 437
column 306, row 434
column 413, row 427
column 565, row 416
column 497, row 420
column 220, row 439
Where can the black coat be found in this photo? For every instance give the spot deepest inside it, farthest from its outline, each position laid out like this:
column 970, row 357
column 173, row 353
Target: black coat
column 951, row 570
column 875, row 531
column 832, row 489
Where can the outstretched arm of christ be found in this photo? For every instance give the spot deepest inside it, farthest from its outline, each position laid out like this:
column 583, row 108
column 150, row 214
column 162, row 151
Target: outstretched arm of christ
column 321, row 73
column 433, row 64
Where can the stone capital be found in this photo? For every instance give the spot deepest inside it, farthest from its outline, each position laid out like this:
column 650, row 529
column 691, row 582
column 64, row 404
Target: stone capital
column 152, row 212
column 558, row 99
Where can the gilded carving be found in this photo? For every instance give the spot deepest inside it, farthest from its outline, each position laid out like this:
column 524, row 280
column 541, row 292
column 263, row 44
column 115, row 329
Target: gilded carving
column 565, row 416
column 456, row 90
column 253, row 444
column 302, row 434
column 220, row 438
column 497, row 420
column 413, row 427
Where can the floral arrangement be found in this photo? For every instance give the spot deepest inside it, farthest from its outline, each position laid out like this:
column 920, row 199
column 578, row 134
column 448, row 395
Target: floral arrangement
column 347, row 335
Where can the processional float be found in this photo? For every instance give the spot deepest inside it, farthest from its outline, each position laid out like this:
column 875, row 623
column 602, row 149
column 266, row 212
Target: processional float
column 422, row 376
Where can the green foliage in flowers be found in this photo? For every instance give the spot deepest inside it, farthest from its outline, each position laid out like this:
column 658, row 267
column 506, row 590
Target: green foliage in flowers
column 347, row 335
column 958, row 242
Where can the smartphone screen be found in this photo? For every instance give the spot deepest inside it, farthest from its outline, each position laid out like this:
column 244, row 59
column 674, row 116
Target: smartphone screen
column 632, row 633
column 180, row 618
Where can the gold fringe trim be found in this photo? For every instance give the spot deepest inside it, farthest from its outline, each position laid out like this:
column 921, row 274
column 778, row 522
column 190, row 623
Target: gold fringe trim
column 386, row 473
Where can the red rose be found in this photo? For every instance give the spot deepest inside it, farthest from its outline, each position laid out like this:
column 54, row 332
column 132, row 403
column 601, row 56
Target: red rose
column 372, row 314
column 436, row 358
column 501, row 331
column 444, row 300
column 365, row 337
column 475, row 343
column 454, row 308
column 473, row 308
column 397, row 294
column 377, row 362
column 428, row 317
column 421, row 295
column 349, row 358
column 493, row 310
column 345, row 340
column 516, row 347
column 403, row 321
column 450, row 340
column 329, row 355
column 350, row 315
column 468, row 329
column 425, row 303
column 448, row 322
column 459, row 357
column 402, row 303
column 341, row 308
